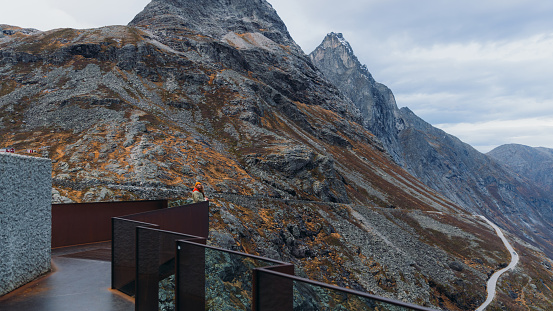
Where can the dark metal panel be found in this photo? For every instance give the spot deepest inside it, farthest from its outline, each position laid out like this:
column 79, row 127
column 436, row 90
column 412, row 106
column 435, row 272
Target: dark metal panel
column 82, row 223
column 155, row 261
column 190, row 219
column 147, row 265
column 123, row 254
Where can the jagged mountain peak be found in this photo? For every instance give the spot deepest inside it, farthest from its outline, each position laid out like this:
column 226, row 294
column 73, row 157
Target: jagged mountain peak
column 215, row 18
column 336, row 59
column 335, row 39
column 335, row 43
column 218, row 31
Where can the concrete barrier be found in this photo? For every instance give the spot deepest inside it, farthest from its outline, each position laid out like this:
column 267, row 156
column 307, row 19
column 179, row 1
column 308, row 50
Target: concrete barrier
column 25, row 219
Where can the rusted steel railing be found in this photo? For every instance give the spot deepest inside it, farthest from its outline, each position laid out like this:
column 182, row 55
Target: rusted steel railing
column 153, row 252
column 83, row 223
column 132, row 245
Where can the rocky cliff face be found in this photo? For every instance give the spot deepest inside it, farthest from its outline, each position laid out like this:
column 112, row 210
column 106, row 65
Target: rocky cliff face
column 335, row 58
column 476, row 182
column 535, row 164
column 440, row 160
column 143, row 111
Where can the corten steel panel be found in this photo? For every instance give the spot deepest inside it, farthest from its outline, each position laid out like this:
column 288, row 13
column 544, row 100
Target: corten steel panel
column 271, row 292
column 123, row 254
column 155, row 261
column 147, row 265
column 124, row 249
column 190, row 277
column 82, row 223
column 192, row 219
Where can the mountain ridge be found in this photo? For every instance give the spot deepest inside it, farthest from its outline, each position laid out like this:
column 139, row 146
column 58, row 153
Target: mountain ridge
column 534, row 163
column 438, row 159
column 444, row 163
column 374, row 100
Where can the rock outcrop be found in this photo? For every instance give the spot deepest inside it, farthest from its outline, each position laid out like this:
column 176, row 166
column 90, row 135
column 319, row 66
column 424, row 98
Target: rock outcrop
column 335, row 58
column 535, row 164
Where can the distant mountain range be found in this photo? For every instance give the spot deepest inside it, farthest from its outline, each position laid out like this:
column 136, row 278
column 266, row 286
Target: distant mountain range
column 467, row 177
column 306, row 158
column 534, row 164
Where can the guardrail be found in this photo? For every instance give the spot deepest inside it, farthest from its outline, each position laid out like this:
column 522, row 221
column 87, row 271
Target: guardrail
column 211, row 278
column 161, row 257
column 129, row 248
column 312, row 295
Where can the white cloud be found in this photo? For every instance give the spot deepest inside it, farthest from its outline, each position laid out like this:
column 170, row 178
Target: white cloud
column 50, row 14
column 535, row 48
column 37, row 14
column 529, row 131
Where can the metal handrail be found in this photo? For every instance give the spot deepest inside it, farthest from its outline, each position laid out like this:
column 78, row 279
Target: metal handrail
column 346, row 290
column 280, row 269
column 276, row 262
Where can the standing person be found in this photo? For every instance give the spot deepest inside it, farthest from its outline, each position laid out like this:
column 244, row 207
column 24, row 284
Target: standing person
column 198, row 193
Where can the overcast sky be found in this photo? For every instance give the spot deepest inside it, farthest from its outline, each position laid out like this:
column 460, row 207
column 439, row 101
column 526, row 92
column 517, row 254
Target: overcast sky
column 480, row 70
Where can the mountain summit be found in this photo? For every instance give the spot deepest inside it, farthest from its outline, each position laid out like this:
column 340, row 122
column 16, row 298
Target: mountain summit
column 536, row 164
column 246, row 37
column 215, row 18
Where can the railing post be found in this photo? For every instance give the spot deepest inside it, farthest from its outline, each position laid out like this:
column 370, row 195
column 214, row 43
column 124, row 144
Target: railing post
column 123, row 254
column 190, row 277
column 147, row 269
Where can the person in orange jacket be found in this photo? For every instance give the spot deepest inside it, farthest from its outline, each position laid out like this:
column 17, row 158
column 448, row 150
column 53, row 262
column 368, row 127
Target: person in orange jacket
column 198, row 193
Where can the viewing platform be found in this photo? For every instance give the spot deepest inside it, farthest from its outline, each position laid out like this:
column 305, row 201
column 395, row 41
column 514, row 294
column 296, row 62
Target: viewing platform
column 146, row 256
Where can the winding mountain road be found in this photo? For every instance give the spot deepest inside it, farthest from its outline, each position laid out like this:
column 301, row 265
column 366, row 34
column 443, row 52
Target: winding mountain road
column 492, row 282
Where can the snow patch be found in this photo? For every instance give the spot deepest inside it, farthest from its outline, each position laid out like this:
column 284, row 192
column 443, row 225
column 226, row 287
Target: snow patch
column 342, row 41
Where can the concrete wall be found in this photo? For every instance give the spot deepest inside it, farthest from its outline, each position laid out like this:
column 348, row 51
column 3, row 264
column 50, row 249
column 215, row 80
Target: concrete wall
column 25, row 219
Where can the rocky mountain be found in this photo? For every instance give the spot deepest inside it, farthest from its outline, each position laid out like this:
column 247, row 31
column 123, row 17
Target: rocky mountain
column 441, row 161
column 474, row 181
column 7, row 31
column 535, row 164
column 217, row 91
column 376, row 102
column 477, row 182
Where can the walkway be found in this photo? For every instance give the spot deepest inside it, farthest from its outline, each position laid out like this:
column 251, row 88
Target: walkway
column 492, row 282
column 81, row 281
